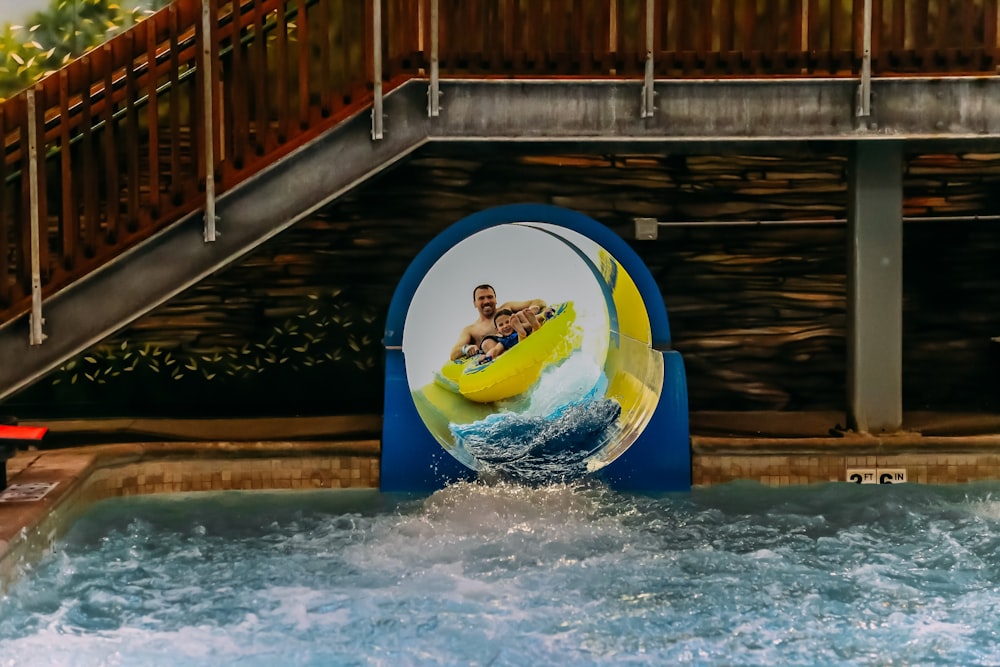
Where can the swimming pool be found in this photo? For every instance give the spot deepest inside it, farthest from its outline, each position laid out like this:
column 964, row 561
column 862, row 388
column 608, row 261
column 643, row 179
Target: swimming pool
column 504, row 574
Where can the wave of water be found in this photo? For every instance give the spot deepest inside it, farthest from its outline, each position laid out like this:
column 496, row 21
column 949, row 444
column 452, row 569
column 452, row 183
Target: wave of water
column 549, row 434
column 509, row 574
column 540, row 449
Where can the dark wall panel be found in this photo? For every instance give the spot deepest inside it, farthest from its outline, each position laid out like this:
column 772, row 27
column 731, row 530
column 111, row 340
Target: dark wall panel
column 757, row 310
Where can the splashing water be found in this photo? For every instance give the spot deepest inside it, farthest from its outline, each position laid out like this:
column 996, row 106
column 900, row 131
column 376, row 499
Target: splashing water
column 540, row 449
column 548, row 435
column 508, row 574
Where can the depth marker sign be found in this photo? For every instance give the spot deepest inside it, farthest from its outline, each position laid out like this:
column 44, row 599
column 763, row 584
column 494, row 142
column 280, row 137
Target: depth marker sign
column 876, row 475
column 26, row 493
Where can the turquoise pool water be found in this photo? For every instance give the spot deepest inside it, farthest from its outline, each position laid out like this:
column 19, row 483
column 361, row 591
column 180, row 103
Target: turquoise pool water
column 478, row 574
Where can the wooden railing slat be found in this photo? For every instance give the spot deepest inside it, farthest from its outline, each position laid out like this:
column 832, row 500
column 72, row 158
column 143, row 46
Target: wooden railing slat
column 21, row 238
column 111, row 173
column 259, row 74
column 132, row 147
column 5, row 214
column 69, row 223
column 990, row 34
column 152, row 118
column 322, row 34
column 281, row 56
column 88, row 156
column 899, row 25
column 45, row 233
column 302, row 52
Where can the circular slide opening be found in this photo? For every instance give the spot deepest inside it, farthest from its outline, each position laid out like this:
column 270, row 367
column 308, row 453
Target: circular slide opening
column 565, row 395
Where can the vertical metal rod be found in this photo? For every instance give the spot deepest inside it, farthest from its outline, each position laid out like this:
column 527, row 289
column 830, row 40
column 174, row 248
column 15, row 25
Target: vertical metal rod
column 647, row 86
column 35, row 335
column 209, row 124
column 434, row 93
column 865, row 90
column 377, row 68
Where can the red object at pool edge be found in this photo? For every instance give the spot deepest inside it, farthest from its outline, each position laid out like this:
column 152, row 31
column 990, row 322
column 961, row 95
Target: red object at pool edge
column 22, row 432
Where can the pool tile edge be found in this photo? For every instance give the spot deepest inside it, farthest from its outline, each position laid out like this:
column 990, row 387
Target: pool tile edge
column 84, row 476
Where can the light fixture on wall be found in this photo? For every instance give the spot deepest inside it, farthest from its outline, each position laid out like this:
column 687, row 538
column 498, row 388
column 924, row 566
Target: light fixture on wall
column 646, row 229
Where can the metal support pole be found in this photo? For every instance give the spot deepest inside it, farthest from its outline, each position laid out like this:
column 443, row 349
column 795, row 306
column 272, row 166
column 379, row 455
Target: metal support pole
column 377, row 129
column 434, row 92
column 647, row 86
column 35, row 335
column 209, row 125
column 865, row 89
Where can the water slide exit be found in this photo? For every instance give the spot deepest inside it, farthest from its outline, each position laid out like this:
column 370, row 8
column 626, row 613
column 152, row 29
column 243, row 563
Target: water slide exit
column 596, row 390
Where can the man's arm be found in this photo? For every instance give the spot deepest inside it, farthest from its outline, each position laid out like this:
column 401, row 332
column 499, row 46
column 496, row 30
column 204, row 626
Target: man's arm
column 466, row 345
column 515, row 306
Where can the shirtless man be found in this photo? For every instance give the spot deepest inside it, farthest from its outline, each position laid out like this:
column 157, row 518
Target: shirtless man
column 484, row 297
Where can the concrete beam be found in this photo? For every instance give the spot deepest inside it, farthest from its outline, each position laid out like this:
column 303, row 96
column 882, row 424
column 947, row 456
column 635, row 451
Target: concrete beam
column 750, row 110
column 875, row 287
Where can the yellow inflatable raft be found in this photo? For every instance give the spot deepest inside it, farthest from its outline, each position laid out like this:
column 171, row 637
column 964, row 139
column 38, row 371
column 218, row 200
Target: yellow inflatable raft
column 517, row 369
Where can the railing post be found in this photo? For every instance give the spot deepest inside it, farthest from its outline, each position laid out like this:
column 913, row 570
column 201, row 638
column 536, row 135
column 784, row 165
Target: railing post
column 647, row 86
column 35, row 335
column 377, row 129
column 865, row 89
column 434, row 92
column 208, row 118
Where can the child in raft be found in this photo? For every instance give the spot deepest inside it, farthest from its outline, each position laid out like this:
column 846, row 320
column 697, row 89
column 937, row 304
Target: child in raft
column 512, row 329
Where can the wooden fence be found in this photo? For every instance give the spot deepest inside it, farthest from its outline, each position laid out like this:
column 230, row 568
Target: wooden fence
column 111, row 148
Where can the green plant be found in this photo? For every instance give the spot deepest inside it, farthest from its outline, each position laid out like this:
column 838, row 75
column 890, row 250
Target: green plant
column 65, row 30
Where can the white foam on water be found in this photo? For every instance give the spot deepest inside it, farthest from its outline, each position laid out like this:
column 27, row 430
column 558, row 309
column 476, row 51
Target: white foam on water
column 509, row 574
